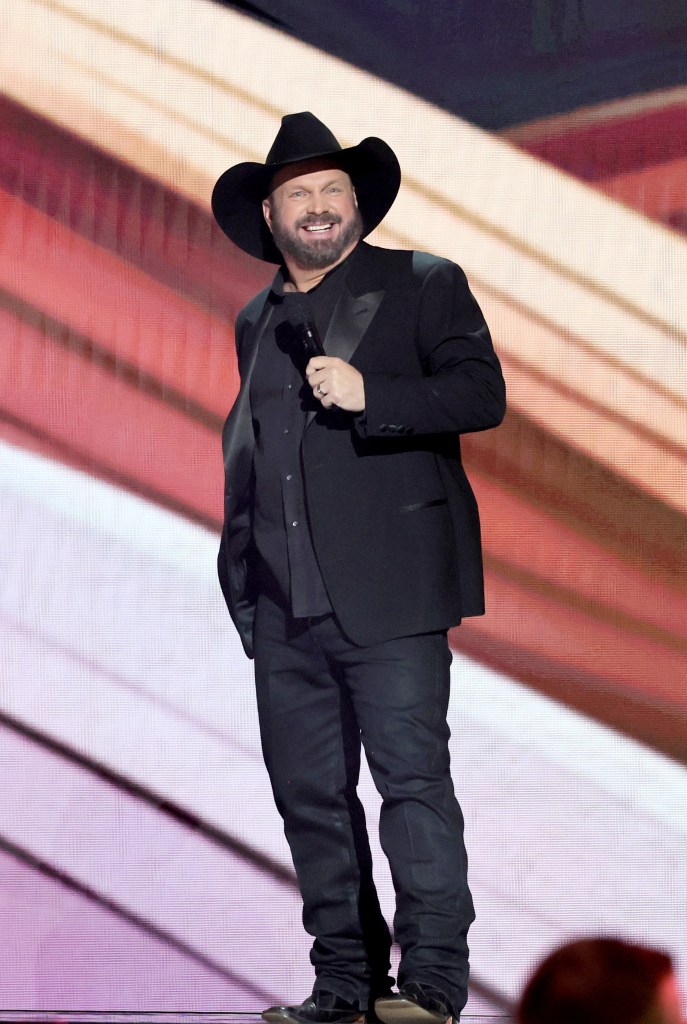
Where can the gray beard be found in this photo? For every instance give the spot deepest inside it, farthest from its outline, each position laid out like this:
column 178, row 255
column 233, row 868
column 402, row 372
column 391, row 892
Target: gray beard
column 322, row 254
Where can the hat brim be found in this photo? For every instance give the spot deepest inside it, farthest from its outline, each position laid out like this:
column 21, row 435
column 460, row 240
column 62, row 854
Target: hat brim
column 238, row 194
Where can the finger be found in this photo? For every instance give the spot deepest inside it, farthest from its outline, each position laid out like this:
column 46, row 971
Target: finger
column 315, row 365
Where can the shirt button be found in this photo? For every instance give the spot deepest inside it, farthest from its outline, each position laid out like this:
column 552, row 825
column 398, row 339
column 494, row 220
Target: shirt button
column 295, row 522
column 286, row 430
column 290, row 387
column 288, row 476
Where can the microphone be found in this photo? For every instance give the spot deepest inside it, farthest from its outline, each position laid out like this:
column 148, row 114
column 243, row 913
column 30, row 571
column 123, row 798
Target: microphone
column 300, row 319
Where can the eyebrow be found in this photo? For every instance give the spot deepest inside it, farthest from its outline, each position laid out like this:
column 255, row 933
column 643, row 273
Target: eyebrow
column 290, row 185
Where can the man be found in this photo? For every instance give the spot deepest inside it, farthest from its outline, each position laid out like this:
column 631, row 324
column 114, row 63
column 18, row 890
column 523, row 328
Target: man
column 602, row 981
column 350, row 545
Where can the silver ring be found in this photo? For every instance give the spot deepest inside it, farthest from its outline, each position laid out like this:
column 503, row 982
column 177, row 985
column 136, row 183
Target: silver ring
column 319, row 391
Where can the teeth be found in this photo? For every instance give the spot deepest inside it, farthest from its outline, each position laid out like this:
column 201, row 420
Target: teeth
column 317, row 227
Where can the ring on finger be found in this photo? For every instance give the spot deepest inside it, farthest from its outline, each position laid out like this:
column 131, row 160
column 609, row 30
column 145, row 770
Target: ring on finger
column 319, row 391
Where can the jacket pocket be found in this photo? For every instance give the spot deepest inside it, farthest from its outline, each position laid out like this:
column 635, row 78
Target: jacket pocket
column 417, row 505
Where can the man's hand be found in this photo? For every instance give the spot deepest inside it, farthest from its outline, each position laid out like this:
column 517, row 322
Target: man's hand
column 336, row 383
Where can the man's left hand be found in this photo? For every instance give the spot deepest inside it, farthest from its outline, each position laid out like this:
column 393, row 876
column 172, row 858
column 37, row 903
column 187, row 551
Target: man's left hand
column 336, row 383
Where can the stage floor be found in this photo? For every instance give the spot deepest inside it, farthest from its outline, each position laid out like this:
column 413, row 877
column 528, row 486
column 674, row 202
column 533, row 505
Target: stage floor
column 31, row 1017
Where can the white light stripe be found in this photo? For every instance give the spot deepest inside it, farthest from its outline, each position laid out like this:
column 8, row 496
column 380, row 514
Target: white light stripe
column 75, row 497
column 126, row 967
column 154, row 867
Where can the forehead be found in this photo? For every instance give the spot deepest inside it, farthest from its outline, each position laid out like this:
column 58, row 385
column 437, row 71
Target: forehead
column 309, row 174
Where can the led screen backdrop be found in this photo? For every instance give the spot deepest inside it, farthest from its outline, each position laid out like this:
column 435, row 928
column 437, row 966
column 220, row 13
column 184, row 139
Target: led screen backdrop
column 142, row 865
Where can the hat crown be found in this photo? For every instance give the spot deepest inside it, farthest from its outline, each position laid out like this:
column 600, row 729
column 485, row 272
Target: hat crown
column 301, row 137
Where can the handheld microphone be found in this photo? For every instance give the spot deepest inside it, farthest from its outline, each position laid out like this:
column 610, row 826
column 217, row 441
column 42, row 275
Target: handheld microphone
column 300, row 319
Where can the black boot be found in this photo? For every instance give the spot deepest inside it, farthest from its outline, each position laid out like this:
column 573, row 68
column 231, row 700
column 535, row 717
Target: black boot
column 320, row 1008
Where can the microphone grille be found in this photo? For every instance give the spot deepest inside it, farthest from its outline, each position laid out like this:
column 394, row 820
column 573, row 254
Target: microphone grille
column 297, row 308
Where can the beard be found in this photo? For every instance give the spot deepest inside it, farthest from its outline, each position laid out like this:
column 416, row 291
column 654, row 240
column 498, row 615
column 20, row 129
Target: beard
column 317, row 253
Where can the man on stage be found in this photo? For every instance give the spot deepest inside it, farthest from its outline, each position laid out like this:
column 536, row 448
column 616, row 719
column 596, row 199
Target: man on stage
column 351, row 545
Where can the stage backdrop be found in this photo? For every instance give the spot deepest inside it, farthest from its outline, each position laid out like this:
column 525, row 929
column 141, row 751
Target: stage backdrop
column 142, row 865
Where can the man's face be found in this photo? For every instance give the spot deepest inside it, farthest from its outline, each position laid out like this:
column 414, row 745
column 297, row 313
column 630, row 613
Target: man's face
column 313, row 214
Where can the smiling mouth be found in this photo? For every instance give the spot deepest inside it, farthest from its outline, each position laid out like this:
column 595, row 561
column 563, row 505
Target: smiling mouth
column 313, row 229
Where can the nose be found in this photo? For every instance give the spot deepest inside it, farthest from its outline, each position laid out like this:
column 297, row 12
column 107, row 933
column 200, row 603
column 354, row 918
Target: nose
column 317, row 203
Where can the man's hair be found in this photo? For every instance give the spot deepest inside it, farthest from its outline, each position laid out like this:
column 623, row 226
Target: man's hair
column 596, row 981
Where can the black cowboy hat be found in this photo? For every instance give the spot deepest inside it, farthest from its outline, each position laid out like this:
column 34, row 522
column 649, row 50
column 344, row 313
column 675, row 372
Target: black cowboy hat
column 238, row 194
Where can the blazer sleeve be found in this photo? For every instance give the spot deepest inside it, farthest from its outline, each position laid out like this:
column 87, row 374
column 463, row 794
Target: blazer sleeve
column 462, row 389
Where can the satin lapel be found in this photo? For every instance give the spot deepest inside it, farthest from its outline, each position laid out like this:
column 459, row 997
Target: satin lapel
column 351, row 318
column 237, row 438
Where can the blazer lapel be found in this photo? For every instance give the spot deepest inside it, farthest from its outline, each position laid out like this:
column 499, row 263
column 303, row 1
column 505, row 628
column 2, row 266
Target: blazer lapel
column 237, row 437
column 351, row 318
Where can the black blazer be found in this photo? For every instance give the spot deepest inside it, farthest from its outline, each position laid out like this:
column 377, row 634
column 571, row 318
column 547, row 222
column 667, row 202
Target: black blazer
column 393, row 517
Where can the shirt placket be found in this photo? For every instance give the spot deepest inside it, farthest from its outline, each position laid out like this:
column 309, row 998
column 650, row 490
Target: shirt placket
column 292, row 430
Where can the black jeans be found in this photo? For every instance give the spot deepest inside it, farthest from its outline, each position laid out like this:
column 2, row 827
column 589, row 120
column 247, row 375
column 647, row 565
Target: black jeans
column 318, row 695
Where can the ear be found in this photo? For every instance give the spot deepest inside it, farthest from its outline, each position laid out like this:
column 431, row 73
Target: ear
column 267, row 212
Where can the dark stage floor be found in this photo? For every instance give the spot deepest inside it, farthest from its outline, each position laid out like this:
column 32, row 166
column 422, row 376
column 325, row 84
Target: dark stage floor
column 30, row 1017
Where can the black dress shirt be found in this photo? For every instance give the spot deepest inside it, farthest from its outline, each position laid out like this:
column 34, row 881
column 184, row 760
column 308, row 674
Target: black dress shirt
column 280, row 399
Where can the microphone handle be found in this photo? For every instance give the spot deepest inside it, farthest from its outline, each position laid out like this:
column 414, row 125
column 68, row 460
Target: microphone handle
column 310, row 340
